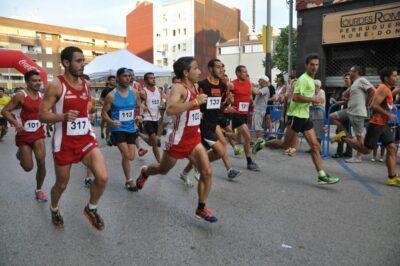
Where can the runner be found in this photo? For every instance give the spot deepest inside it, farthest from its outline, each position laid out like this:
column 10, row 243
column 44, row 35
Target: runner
column 74, row 140
column 211, row 134
column 299, row 110
column 4, row 100
column 242, row 92
column 153, row 100
column 184, row 140
column 378, row 129
column 109, row 87
column 139, row 119
column 121, row 102
column 30, row 132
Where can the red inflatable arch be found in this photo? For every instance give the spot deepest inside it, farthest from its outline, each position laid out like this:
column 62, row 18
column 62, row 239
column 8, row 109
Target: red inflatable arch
column 19, row 61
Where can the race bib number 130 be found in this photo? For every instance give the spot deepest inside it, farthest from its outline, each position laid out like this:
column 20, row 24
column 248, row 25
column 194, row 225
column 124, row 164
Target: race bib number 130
column 78, row 127
column 194, row 118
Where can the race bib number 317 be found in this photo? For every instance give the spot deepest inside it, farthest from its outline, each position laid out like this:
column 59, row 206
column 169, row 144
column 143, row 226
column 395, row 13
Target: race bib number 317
column 78, row 127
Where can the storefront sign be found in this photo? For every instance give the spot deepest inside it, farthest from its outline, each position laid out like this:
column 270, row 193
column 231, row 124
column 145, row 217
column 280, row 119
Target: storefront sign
column 373, row 23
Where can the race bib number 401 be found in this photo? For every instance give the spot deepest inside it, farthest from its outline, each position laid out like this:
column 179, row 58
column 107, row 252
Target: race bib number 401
column 32, row 125
column 78, row 127
column 243, row 107
column 194, row 118
column 214, row 102
column 126, row 115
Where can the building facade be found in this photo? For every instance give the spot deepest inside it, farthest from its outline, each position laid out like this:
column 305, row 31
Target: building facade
column 181, row 28
column 43, row 44
column 346, row 33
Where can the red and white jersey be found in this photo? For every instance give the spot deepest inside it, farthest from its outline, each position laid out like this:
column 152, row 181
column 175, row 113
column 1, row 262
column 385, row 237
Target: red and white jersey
column 185, row 127
column 73, row 135
column 28, row 116
column 153, row 101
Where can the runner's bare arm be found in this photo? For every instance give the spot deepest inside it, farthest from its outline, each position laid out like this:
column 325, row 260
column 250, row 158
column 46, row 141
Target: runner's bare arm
column 142, row 107
column 12, row 105
column 176, row 102
column 377, row 100
column 108, row 101
column 51, row 95
column 303, row 99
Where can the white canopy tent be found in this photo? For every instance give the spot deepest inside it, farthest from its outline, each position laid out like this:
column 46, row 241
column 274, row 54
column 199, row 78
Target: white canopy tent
column 104, row 65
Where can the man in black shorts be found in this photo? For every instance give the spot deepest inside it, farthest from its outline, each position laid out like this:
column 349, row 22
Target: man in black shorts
column 211, row 134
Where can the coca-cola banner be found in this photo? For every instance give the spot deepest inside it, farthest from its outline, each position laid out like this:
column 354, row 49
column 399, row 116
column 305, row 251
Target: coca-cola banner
column 19, row 61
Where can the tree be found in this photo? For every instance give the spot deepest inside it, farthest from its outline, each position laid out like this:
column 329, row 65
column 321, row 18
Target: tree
column 280, row 53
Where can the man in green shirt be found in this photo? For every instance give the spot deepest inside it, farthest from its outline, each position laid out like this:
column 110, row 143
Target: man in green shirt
column 299, row 120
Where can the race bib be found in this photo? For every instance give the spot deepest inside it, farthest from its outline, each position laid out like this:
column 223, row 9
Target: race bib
column 155, row 103
column 243, row 107
column 126, row 115
column 194, row 118
column 78, row 127
column 32, row 125
column 214, row 102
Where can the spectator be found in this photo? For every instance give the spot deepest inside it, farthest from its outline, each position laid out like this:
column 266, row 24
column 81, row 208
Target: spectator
column 261, row 103
column 269, row 109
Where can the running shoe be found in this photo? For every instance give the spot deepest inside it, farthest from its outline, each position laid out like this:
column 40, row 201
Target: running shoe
column 88, row 181
column 130, row 185
column 394, row 181
column 373, row 160
column 196, row 174
column 206, row 214
column 258, row 146
column 381, row 160
column 233, row 173
column 142, row 178
column 338, row 137
column 290, row 152
column 40, row 196
column 237, row 150
column 142, row 152
column 94, row 218
column 353, row 160
column 329, row 180
column 253, row 167
column 185, row 178
column 102, row 134
column 56, row 218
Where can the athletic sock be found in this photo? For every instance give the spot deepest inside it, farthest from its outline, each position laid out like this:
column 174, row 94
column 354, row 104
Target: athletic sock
column 321, row 173
column 230, row 169
column 391, row 177
column 54, row 209
column 92, row 207
column 201, row 206
column 37, row 190
column 249, row 160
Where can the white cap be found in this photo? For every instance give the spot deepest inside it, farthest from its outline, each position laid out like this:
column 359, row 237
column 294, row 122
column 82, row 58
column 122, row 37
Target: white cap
column 317, row 83
column 265, row 78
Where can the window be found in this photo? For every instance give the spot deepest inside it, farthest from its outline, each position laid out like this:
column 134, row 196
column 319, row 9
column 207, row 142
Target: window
column 179, row 31
column 49, row 64
column 30, row 49
column 48, row 37
column 50, row 77
column 165, row 61
column 174, row 33
column 39, row 63
column 173, row 49
column 165, row 32
column 184, row 31
column 219, row 50
column 184, row 47
column 179, row 47
column 49, row 50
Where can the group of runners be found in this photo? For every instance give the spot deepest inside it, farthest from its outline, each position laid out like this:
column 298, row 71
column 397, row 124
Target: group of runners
column 198, row 118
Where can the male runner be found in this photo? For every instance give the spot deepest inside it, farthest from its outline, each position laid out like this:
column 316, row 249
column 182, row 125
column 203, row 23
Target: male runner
column 74, row 140
column 184, row 140
column 242, row 98
column 378, row 129
column 121, row 103
column 152, row 98
column 211, row 134
column 299, row 110
column 30, row 132
column 4, row 100
column 109, row 87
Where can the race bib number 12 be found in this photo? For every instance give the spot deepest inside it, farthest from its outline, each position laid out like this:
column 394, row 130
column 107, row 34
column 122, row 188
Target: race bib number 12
column 194, row 118
column 243, row 107
column 78, row 127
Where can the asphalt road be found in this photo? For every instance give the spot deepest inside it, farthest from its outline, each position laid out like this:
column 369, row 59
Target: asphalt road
column 278, row 216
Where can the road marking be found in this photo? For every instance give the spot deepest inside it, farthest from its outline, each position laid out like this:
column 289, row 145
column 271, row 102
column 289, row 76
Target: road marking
column 358, row 178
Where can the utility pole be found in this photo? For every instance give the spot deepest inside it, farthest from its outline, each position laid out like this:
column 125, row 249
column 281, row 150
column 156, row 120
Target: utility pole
column 268, row 63
column 290, row 37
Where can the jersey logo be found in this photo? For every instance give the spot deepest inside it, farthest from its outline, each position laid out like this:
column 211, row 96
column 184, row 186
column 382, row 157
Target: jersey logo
column 215, row 92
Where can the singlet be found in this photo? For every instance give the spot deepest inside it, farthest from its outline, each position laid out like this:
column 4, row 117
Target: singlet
column 386, row 104
column 241, row 96
column 123, row 110
column 185, row 126
column 29, row 116
column 153, row 101
column 78, row 134
column 216, row 97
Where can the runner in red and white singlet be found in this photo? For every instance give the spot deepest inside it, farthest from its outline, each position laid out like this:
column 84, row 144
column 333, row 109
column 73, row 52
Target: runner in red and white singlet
column 74, row 140
column 241, row 104
column 183, row 139
column 30, row 132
